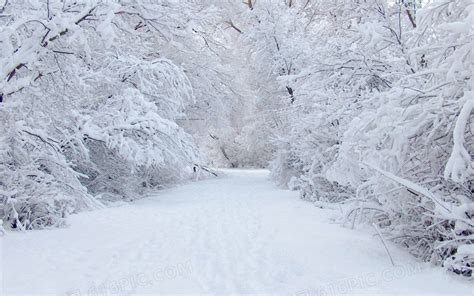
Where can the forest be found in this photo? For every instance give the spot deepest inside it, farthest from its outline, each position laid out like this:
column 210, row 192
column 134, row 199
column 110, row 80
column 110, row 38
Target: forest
column 364, row 107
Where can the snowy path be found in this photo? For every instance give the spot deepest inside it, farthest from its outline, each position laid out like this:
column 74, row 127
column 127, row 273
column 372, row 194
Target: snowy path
column 238, row 234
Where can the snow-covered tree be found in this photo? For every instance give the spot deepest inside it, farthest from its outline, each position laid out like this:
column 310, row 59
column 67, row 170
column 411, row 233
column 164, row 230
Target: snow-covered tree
column 379, row 116
column 89, row 108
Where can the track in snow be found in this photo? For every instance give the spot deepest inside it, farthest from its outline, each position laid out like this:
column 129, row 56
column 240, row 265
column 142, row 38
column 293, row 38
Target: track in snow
column 237, row 234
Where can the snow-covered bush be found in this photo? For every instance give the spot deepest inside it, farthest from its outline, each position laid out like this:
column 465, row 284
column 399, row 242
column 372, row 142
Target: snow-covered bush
column 379, row 117
column 413, row 170
column 88, row 109
column 38, row 185
column 130, row 144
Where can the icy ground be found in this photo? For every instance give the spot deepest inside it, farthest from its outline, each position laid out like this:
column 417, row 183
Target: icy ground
column 237, row 234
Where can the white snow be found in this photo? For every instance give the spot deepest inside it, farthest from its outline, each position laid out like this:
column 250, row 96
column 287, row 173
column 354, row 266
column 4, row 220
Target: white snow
column 236, row 234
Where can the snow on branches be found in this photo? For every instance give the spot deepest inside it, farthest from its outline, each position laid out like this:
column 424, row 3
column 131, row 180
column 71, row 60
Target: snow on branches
column 89, row 108
column 379, row 117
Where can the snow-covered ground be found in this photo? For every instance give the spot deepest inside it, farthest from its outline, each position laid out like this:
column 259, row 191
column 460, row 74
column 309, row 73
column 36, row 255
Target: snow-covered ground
column 237, row 234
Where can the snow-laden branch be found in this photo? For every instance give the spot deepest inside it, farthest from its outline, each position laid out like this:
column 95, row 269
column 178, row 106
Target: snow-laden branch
column 411, row 185
column 460, row 165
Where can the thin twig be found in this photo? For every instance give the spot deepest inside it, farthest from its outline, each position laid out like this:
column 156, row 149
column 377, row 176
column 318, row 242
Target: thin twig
column 384, row 244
